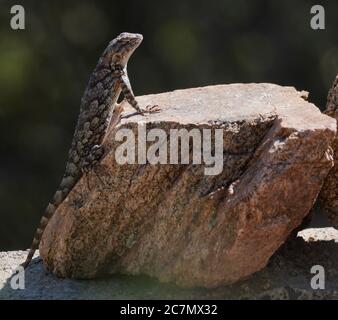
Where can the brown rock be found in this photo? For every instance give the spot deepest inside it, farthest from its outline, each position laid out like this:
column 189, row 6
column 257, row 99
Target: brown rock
column 329, row 193
column 174, row 222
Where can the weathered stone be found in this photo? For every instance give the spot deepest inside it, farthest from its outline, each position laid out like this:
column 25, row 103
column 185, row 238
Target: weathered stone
column 174, row 222
column 329, row 193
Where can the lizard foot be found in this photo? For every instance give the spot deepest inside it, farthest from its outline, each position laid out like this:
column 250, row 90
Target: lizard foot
column 152, row 109
column 149, row 109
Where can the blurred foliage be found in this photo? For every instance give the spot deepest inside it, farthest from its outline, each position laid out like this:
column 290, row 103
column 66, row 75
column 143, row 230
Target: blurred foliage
column 44, row 70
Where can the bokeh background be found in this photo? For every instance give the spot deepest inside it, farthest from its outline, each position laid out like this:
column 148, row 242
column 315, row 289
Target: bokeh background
column 44, row 70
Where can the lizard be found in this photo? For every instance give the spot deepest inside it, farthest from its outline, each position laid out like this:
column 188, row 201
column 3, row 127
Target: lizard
column 97, row 106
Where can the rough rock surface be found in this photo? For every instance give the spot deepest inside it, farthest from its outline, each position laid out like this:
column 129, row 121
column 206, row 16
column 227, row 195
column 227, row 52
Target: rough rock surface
column 177, row 224
column 329, row 193
column 287, row 276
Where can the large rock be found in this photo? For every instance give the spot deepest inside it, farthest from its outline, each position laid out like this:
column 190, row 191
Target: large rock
column 178, row 224
column 329, row 193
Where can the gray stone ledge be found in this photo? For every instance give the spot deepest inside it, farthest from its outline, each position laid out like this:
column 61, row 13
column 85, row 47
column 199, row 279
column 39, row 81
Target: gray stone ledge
column 287, row 276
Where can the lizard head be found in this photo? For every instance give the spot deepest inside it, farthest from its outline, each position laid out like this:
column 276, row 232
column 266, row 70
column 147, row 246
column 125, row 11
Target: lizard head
column 121, row 48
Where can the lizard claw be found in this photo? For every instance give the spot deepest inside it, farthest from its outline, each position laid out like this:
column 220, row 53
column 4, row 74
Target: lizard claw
column 152, row 109
column 149, row 109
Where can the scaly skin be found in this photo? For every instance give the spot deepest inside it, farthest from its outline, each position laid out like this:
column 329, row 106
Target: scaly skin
column 97, row 106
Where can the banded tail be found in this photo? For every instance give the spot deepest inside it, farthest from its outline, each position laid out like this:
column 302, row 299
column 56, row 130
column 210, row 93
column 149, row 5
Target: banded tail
column 49, row 212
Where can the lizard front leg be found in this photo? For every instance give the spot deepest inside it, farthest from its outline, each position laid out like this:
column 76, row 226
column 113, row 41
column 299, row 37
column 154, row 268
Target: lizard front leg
column 129, row 96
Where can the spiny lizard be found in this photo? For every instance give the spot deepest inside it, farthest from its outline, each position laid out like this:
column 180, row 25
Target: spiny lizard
column 96, row 110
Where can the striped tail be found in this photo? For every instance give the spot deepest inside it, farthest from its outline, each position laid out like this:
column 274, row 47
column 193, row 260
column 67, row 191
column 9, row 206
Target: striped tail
column 39, row 232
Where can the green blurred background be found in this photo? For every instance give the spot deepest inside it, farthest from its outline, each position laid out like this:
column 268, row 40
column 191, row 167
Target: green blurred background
column 44, row 70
